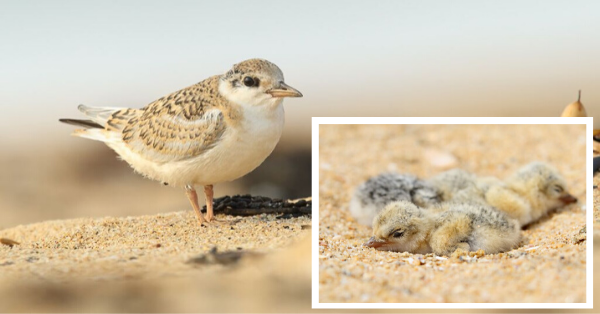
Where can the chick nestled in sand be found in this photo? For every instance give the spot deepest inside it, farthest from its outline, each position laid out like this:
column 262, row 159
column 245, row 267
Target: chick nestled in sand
column 404, row 227
column 528, row 195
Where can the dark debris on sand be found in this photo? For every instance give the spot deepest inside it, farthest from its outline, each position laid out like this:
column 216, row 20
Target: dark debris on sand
column 223, row 258
column 247, row 205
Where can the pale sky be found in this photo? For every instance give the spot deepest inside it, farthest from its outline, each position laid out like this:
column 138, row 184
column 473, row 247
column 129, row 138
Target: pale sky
column 372, row 58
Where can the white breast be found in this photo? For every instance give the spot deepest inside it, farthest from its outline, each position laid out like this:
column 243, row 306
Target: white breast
column 242, row 148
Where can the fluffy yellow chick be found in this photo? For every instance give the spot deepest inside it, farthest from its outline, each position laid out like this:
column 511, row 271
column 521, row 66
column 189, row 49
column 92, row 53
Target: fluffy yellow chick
column 404, row 227
column 462, row 186
column 530, row 193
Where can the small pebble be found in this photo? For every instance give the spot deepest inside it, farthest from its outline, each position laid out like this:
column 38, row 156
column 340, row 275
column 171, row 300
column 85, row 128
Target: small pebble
column 440, row 159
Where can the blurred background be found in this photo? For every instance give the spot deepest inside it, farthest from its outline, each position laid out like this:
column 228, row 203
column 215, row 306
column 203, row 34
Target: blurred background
column 349, row 58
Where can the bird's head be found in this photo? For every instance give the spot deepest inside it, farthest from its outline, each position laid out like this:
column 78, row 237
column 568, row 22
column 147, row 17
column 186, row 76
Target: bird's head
column 545, row 182
column 255, row 82
column 400, row 227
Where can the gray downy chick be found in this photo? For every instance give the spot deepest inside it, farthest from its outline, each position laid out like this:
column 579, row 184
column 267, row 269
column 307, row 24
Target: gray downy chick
column 374, row 194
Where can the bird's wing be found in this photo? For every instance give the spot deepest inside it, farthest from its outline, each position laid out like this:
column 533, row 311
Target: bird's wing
column 179, row 126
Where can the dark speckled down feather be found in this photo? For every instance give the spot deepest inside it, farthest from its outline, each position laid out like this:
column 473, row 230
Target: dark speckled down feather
column 373, row 195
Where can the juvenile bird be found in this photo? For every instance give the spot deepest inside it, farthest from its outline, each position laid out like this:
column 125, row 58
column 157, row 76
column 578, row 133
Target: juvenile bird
column 530, row 193
column 455, row 184
column 575, row 109
column 374, row 194
column 462, row 186
column 404, row 227
column 214, row 131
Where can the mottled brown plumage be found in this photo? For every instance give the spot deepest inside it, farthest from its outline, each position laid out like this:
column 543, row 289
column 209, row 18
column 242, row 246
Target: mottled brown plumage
column 178, row 126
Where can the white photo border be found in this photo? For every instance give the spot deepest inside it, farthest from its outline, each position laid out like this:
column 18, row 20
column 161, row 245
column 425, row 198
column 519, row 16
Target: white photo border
column 317, row 121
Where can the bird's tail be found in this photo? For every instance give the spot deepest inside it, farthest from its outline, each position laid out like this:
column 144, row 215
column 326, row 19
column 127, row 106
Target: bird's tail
column 97, row 127
column 88, row 124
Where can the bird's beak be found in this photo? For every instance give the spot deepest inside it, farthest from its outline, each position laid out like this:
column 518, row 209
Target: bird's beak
column 284, row 90
column 375, row 243
column 568, row 199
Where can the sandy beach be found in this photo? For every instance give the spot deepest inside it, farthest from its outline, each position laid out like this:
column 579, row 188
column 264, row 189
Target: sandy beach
column 157, row 263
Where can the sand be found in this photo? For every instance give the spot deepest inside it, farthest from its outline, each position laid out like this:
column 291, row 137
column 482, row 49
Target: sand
column 549, row 264
column 143, row 264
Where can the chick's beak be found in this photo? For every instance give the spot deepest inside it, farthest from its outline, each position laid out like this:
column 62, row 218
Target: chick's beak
column 568, row 199
column 375, row 243
column 284, row 90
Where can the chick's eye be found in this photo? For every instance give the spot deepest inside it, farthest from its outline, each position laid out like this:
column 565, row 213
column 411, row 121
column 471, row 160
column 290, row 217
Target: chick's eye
column 249, row 81
column 398, row 234
column 558, row 188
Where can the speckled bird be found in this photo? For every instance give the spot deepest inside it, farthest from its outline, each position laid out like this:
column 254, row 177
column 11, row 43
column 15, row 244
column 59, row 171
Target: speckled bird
column 373, row 195
column 214, row 131
column 404, row 227
column 462, row 186
column 530, row 193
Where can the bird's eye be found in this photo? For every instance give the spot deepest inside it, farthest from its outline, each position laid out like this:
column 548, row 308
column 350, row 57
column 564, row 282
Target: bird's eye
column 250, row 82
column 398, row 234
column 558, row 188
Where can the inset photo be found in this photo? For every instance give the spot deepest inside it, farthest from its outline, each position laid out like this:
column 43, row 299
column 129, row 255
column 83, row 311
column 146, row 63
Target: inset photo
column 452, row 213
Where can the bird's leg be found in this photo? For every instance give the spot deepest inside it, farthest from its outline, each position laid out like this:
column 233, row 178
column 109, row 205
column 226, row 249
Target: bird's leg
column 210, row 216
column 208, row 192
column 193, row 197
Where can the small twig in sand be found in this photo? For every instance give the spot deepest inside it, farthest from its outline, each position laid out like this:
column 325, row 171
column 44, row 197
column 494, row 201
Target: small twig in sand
column 9, row 242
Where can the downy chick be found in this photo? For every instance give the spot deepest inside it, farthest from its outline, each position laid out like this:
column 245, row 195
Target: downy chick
column 530, row 193
column 374, row 194
column 404, row 227
column 458, row 185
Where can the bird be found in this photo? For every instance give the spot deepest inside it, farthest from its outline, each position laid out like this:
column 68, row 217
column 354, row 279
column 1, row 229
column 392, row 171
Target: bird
column 575, row 109
column 456, row 184
column 462, row 186
column 530, row 193
column 404, row 227
column 525, row 196
column 373, row 195
column 214, row 131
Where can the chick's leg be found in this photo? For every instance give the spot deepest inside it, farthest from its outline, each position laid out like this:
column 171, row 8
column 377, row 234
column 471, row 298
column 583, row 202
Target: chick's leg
column 193, row 197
